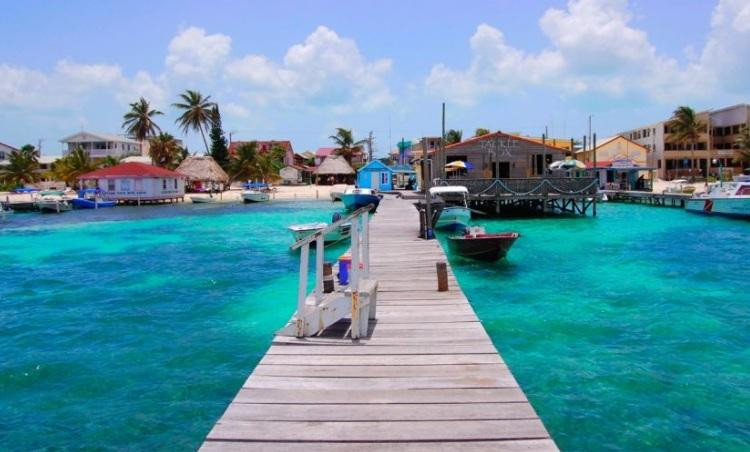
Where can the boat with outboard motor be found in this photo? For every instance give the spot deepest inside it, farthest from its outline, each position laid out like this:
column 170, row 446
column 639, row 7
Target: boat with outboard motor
column 475, row 243
column 90, row 198
column 456, row 213
column 355, row 198
column 52, row 201
column 730, row 199
column 251, row 196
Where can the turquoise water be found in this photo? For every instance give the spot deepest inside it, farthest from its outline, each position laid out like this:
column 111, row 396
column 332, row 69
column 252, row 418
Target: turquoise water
column 627, row 331
column 136, row 326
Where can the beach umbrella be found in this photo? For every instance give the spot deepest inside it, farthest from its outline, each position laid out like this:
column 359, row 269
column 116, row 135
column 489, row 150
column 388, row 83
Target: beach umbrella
column 458, row 164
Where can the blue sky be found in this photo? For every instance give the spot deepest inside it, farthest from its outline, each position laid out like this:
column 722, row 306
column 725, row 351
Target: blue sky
column 297, row 70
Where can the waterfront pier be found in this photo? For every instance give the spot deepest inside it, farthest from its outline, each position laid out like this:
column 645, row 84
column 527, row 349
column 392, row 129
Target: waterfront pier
column 647, row 197
column 425, row 376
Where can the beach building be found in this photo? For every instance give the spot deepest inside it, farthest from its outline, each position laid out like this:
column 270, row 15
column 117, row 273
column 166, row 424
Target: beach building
column 136, row 182
column 202, row 173
column 622, row 164
column 495, row 155
column 267, row 145
column 676, row 160
column 5, row 151
column 563, row 143
column 100, row 145
column 295, row 174
column 375, row 175
column 334, row 170
column 323, row 153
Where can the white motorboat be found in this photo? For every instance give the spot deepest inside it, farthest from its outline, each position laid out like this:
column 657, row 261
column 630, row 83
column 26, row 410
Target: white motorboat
column 249, row 196
column 456, row 214
column 300, row 231
column 197, row 199
column 337, row 191
column 52, row 201
column 723, row 198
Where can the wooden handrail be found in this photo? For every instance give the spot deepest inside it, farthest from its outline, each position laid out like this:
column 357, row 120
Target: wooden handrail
column 312, row 237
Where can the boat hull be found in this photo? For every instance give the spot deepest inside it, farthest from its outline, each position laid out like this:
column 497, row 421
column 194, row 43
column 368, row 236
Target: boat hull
column 299, row 232
column 82, row 203
column 248, row 198
column 485, row 247
column 454, row 217
column 356, row 201
column 730, row 207
column 201, row 200
column 53, row 206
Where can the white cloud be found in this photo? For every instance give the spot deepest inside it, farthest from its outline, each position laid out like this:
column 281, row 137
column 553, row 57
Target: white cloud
column 594, row 48
column 194, row 53
column 235, row 110
column 324, row 71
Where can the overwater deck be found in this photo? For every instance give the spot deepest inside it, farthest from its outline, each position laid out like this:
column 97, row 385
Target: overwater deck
column 426, row 377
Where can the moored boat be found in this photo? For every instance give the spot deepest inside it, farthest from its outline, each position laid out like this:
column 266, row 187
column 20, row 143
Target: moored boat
column 249, row 196
column 195, row 199
column 90, row 199
column 336, row 191
column 355, row 198
column 730, row 199
column 300, row 231
column 456, row 213
column 475, row 243
column 52, row 204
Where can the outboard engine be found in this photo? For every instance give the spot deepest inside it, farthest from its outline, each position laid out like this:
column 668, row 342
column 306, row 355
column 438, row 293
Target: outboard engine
column 336, row 217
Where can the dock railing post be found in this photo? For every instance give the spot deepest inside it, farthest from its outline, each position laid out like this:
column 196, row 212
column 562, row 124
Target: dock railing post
column 302, row 290
column 365, row 245
column 319, row 254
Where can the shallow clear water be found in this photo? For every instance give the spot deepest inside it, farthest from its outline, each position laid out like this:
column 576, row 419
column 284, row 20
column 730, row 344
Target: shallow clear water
column 136, row 326
column 627, row 331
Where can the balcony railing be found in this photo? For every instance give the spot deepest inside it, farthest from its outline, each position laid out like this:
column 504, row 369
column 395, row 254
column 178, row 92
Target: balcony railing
column 526, row 186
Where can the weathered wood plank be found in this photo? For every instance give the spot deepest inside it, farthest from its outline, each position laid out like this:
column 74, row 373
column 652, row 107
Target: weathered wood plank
column 500, row 380
column 379, row 396
column 379, row 371
column 379, row 431
column 533, row 445
column 381, row 360
column 367, row 349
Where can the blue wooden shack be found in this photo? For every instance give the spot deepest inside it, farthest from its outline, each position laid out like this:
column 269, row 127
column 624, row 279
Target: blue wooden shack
column 375, row 175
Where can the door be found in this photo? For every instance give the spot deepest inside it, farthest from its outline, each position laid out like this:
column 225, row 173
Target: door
column 501, row 170
column 375, row 180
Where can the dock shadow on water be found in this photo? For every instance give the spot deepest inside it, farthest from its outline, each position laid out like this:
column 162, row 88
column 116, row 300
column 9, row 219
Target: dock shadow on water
column 622, row 329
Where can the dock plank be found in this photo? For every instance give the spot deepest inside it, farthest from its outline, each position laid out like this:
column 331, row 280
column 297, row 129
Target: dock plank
column 426, row 377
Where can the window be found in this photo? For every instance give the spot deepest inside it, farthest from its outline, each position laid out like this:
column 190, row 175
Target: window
column 138, row 185
column 125, row 185
column 110, row 185
column 727, row 130
column 2, row 155
column 658, row 164
column 736, row 128
column 163, row 184
column 384, row 178
column 100, row 145
column 175, row 184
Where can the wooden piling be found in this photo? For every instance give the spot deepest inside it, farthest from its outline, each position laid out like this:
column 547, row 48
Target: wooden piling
column 442, row 276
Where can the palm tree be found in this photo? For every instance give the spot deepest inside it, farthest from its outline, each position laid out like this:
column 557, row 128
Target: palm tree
column 743, row 143
column 686, row 128
column 164, row 151
column 196, row 113
column 481, row 131
column 108, row 161
column 453, row 136
column 266, row 167
column 346, row 146
column 22, row 167
column 68, row 168
column 242, row 163
column 138, row 122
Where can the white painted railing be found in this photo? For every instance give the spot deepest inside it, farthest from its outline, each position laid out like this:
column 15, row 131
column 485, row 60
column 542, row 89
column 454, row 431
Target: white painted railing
column 360, row 254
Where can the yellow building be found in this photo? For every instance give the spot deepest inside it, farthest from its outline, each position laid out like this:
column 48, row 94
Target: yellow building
column 616, row 151
column 563, row 143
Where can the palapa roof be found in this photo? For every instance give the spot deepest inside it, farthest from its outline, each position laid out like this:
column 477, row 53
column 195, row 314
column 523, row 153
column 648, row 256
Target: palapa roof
column 335, row 164
column 202, row 167
column 132, row 170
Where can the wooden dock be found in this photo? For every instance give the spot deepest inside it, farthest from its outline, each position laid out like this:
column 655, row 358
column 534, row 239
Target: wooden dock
column 427, row 377
column 647, row 197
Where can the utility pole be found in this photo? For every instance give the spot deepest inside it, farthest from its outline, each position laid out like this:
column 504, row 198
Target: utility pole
column 590, row 142
column 369, row 147
column 442, row 159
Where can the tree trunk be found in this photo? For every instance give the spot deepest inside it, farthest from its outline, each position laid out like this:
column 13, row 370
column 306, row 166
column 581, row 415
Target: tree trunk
column 205, row 143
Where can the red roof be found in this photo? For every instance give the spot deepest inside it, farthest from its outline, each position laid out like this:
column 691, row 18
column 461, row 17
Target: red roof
column 131, row 169
column 324, row 152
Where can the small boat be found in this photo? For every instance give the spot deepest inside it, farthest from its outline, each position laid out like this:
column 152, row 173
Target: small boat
column 456, row 213
column 201, row 199
column 249, row 196
column 300, row 231
column 337, row 191
column 355, row 198
column 90, row 198
column 53, row 204
column 730, row 199
column 475, row 243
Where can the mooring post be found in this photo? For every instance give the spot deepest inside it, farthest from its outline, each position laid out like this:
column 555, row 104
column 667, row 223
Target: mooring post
column 366, row 245
column 302, row 289
column 442, row 276
column 319, row 269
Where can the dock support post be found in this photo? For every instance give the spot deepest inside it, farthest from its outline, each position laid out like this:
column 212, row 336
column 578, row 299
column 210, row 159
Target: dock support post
column 442, row 276
column 302, row 290
column 319, row 270
column 365, row 245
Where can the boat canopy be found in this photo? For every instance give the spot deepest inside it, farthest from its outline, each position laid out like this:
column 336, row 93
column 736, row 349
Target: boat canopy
column 449, row 189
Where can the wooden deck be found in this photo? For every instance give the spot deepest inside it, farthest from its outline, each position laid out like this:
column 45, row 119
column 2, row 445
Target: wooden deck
column 426, row 378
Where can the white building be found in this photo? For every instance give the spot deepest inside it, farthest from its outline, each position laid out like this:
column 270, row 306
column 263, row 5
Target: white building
column 5, row 151
column 136, row 182
column 101, row 145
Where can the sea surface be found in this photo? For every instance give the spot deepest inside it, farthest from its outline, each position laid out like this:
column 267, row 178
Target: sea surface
column 135, row 327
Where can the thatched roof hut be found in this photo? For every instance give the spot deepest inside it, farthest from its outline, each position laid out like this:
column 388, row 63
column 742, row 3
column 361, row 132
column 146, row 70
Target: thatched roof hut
column 202, row 168
column 334, row 165
column 335, row 169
